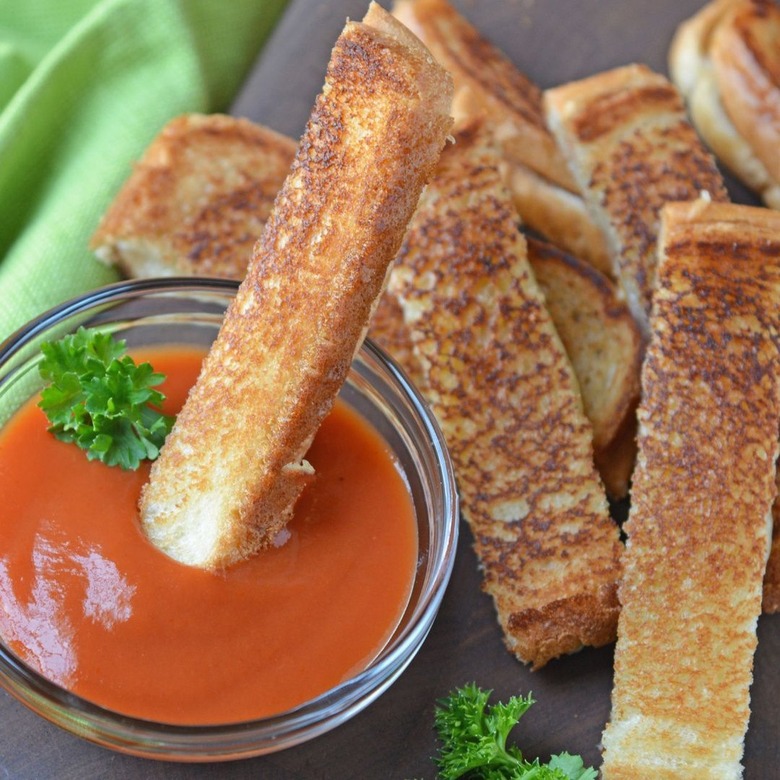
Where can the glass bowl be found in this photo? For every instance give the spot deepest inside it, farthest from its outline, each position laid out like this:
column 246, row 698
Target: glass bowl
column 190, row 311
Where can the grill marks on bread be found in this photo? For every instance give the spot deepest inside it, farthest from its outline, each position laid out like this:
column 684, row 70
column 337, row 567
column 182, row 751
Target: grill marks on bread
column 505, row 394
column 197, row 201
column 231, row 469
column 631, row 148
column 698, row 530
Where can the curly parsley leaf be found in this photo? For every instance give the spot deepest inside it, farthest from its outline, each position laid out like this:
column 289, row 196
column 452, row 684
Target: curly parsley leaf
column 474, row 734
column 98, row 398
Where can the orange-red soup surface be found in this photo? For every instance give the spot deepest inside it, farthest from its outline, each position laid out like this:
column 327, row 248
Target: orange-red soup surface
column 87, row 600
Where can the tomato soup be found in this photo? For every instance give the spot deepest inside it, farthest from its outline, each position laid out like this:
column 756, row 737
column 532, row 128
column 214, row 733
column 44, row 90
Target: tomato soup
column 91, row 604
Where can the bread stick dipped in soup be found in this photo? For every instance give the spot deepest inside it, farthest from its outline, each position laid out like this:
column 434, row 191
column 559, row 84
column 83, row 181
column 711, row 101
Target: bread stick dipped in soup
column 269, row 552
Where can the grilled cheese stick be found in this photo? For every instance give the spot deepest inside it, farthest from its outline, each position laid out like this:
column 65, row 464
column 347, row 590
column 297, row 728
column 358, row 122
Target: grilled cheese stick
column 197, row 201
column 723, row 30
column 487, row 83
column 692, row 69
column 605, row 348
column 488, row 86
column 505, row 394
column 232, row 468
column 732, row 150
column 745, row 52
column 601, row 340
column 628, row 142
column 688, row 51
column 699, row 526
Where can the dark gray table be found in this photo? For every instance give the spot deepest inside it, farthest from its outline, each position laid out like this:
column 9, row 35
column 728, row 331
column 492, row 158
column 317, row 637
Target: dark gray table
column 552, row 41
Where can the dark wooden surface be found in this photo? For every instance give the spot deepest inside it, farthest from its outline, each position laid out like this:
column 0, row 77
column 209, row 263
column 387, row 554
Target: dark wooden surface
column 552, row 41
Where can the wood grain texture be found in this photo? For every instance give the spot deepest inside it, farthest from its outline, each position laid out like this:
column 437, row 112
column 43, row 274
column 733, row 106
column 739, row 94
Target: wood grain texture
column 552, row 41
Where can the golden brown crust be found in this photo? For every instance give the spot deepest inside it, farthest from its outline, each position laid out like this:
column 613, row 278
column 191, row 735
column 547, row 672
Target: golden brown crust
column 389, row 331
column 499, row 381
column 231, row 469
column 604, row 345
column 564, row 625
column 631, row 149
column 698, row 532
column 197, row 201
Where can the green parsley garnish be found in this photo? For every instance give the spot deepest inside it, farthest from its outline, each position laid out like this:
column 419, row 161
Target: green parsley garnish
column 474, row 741
column 98, row 398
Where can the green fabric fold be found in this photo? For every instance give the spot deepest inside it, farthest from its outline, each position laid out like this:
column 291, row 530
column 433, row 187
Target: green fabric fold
column 84, row 87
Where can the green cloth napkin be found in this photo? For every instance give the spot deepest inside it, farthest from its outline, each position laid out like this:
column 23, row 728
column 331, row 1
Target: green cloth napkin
column 84, row 87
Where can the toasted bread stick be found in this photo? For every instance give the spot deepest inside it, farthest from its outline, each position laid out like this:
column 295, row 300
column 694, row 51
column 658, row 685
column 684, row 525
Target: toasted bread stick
column 631, row 148
column 601, row 340
column 605, row 348
column 197, row 201
column 389, row 331
column 732, row 150
column 488, row 86
column 505, row 394
column 484, row 75
column 232, row 468
column 699, row 526
column 747, row 53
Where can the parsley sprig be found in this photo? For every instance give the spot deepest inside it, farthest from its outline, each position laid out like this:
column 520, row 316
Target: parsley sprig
column 98, row 398
column 474, row 741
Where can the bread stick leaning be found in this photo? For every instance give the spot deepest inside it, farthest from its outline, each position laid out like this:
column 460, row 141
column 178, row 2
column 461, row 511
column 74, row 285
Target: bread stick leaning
column 631, row 148
column 232, row 468
column 498, row 379
column 699, row 526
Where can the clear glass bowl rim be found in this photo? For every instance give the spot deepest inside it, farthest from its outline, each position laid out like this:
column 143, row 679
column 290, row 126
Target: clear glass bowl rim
column 241, row 740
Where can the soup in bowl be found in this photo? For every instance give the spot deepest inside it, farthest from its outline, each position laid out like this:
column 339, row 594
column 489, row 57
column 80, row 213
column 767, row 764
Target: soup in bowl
column 109, row 638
